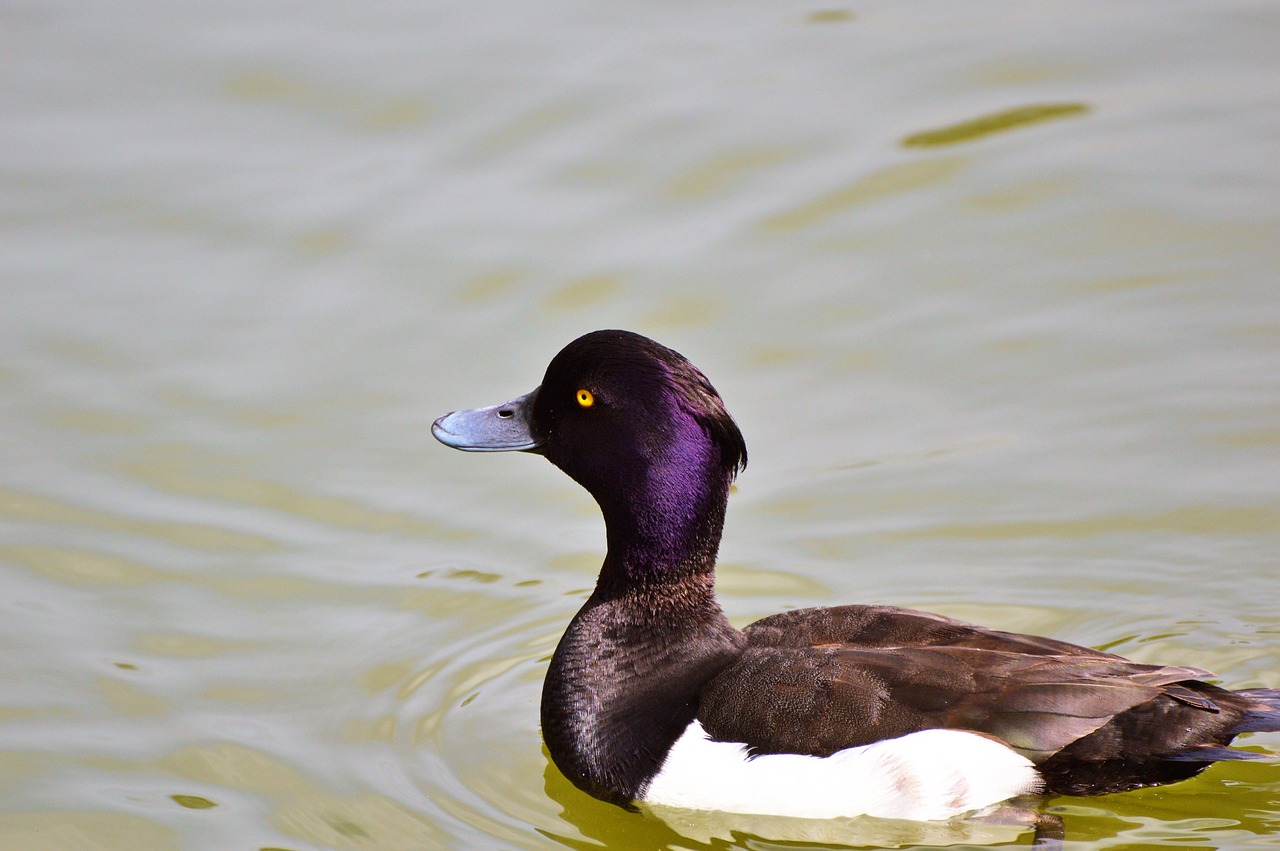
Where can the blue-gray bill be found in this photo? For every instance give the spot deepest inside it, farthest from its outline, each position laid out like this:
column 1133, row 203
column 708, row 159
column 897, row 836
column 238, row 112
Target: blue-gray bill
column 499, row 428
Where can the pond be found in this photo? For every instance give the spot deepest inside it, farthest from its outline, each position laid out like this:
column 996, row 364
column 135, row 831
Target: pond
column 990, row 289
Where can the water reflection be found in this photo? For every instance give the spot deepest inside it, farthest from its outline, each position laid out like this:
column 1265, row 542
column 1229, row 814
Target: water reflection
column 999, row 122
column 1024, row 375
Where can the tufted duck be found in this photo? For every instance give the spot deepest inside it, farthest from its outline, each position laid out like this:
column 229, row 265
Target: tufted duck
column 652, row 696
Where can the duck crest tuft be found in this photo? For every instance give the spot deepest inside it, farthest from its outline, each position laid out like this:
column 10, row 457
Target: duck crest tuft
column 625, row 352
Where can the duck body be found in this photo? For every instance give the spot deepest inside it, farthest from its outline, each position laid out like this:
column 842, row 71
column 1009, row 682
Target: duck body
column 652, row 696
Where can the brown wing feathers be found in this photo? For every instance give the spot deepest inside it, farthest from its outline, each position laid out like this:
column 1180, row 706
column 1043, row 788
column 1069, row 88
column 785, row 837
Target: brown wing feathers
column 819, row 680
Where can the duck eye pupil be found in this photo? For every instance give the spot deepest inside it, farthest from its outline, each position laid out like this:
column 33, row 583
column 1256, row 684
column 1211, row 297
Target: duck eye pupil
column 585, row 398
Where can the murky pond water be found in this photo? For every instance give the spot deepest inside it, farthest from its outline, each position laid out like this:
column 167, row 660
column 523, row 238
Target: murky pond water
column 990, row 288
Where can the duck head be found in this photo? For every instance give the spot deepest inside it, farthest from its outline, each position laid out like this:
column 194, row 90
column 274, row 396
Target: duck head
column 638, row 426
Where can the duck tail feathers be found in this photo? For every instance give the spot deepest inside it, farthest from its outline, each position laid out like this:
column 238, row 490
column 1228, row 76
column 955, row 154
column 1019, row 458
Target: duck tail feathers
column 1262, row 712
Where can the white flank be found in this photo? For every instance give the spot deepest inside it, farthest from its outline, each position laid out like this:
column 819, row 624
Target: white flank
column 932, row 774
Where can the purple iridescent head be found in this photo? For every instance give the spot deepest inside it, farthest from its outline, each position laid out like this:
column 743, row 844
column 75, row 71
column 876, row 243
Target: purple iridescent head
column 642, row 430
column 612, row 405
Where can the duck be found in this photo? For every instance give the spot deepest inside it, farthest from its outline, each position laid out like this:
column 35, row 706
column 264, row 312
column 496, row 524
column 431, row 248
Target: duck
column 653, row 698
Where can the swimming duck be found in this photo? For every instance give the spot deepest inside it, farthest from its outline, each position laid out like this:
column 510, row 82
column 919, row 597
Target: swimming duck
column 653, row 697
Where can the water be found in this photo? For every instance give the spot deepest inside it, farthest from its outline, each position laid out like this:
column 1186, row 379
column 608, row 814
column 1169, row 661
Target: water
column 990, row 290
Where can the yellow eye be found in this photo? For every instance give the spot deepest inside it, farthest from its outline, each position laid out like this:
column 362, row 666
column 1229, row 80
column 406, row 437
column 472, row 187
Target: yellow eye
column 585, row 399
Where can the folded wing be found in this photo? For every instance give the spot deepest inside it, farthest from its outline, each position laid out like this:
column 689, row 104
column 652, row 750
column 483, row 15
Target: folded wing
column 817, row 681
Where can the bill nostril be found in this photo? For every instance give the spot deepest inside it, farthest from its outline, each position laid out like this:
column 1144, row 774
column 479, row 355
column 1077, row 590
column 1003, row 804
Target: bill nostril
column 506, row 413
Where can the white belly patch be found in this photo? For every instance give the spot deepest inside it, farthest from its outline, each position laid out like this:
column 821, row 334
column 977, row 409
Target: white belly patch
column 932, row 774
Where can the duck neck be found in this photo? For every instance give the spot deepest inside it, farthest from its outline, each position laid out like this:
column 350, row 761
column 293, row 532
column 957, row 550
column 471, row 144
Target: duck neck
column 624, row 680
column 665, row 525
